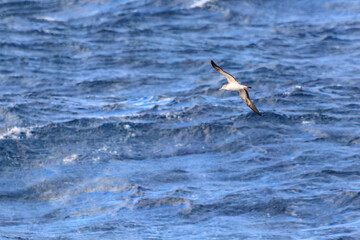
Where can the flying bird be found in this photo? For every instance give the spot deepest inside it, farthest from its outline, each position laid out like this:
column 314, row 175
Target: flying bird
column 234, row 85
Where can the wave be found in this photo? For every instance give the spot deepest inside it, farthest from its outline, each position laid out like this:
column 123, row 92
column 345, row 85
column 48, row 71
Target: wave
column 149, row 203
column 238, row 204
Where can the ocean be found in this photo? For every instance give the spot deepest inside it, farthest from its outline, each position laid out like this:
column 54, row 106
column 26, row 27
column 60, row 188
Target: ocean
column 112, row 125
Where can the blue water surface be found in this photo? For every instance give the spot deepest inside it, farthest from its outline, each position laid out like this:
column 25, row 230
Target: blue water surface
column 112, row 125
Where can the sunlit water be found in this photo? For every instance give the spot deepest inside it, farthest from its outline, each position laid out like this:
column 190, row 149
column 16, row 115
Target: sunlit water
column 112, row 125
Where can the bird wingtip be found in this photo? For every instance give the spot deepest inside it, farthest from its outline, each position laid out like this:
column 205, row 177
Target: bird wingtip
column 213, row 64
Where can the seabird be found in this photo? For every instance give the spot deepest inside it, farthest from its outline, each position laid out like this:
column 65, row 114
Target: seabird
column 234, row 85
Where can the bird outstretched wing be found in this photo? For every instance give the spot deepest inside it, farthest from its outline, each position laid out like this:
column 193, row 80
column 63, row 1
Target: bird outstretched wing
column 246, row 98
column 228, row 76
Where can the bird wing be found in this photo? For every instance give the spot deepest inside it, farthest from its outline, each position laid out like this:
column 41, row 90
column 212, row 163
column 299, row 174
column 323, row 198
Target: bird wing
column 228, row 76
column 245, row 96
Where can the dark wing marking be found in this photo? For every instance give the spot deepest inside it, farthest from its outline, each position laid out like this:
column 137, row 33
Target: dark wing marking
column 228, row 76
column 246, row 98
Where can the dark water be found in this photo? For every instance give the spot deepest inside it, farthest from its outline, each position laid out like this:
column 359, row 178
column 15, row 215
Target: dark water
column 112, row 125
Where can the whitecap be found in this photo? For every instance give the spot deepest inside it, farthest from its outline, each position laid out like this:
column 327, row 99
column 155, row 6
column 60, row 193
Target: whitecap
column 15, row 133
column 71, row 158
column 200, row 3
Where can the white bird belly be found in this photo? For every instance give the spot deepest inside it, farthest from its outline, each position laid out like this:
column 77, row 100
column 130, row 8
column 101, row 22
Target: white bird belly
column 235, row 87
